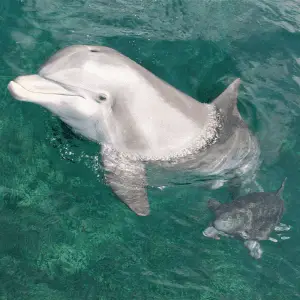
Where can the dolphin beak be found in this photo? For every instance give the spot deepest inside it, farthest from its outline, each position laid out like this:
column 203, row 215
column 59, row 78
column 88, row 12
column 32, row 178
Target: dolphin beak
column 34, row 88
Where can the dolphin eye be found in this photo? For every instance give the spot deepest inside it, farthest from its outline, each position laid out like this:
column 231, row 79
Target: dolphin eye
column 101, row 98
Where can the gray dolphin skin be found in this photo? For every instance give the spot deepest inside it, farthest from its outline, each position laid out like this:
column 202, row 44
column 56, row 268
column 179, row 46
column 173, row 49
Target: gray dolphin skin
column 251, row 218
column 139, row 120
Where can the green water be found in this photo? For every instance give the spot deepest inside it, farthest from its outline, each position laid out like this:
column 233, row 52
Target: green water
column 64, row 235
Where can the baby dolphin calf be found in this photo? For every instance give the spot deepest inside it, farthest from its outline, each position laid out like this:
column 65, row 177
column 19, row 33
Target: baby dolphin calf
column 251, row 218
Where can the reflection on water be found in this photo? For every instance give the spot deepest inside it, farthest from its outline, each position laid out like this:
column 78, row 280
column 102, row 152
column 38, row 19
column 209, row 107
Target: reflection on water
column 64, row 235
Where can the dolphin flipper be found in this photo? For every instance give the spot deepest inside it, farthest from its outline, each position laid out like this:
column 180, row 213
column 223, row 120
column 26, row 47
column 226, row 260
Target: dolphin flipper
column 127, row 179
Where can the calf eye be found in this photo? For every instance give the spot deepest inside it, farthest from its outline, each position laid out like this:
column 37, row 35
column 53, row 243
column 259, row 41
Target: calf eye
column 101, row 98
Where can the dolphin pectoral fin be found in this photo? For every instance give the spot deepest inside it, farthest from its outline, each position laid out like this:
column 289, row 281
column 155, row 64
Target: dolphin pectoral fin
column 127, row 179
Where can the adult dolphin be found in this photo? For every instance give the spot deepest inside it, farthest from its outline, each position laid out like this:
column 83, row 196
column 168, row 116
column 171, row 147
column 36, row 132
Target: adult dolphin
column 139, row 119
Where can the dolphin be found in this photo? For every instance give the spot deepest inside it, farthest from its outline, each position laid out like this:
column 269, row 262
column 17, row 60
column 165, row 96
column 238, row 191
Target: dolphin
column 139, row 120
column 251, row 218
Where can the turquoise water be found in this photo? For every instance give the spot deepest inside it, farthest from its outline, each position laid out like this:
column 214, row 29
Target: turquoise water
column 64, row 235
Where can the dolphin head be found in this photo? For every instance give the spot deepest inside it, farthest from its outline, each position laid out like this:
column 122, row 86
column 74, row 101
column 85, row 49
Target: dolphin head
column 76, row 85
column 105, row 96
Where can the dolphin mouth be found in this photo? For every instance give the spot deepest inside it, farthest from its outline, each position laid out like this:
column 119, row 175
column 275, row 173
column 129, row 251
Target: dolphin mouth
column 31, row 87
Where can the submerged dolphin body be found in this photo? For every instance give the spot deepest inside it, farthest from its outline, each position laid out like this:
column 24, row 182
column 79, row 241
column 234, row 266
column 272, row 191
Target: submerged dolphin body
column 139, row 119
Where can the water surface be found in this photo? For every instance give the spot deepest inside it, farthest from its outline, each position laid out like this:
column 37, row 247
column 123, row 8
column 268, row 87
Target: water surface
column 64, row 235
